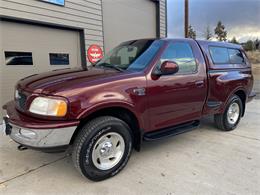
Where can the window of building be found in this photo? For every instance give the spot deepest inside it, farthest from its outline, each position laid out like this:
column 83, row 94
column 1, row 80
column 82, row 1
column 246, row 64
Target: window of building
column 182, row 54
column 56, row 2
column 18, row 58
column 236, row 57
column 59, row 59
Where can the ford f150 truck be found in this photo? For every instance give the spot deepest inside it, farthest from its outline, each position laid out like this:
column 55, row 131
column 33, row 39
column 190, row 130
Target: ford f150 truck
column 142, row 90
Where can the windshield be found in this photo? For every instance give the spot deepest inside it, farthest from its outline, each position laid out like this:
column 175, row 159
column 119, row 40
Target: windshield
column 131, row 55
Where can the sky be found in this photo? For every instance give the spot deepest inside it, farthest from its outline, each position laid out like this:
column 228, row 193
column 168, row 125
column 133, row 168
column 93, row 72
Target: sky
column 240, row 17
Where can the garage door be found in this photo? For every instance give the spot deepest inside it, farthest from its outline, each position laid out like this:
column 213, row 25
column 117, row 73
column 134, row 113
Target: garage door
column 28, row 49
column 127, row 20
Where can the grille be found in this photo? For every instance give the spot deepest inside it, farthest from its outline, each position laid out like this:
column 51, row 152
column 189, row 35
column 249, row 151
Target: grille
column 21, row 100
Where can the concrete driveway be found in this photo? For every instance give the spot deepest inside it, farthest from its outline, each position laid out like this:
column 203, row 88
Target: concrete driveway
column 203, row 161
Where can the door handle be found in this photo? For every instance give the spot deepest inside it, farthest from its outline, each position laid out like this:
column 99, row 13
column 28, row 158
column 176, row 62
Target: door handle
column 199, row 83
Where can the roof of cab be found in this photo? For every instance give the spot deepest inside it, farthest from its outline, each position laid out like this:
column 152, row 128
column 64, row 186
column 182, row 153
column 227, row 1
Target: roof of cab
column 219, row 44
column 202, row 43
column 206, row 42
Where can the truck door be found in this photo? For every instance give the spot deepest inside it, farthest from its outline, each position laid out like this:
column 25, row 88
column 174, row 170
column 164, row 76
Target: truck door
column 178, row 98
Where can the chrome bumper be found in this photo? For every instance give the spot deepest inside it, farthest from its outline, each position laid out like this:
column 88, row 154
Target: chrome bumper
column 41, row 138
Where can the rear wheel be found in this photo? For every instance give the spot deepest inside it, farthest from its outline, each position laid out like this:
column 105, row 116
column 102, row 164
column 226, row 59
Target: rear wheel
column 229, row 120
column 102, row 148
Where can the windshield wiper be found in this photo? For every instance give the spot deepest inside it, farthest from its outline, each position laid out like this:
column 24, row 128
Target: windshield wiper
column 111, row 66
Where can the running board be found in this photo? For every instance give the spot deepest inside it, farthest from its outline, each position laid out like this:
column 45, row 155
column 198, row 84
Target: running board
column 172, row 131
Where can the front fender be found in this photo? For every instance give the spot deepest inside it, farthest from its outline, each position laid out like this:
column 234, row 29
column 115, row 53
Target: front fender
column 110, row 104
column 103, row 105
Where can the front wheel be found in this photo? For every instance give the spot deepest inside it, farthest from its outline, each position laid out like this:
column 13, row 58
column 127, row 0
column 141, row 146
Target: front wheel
column 229, row 120
column 102, row 148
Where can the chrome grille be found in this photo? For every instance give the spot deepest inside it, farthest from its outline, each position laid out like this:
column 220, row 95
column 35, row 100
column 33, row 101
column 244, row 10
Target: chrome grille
column 21, row 100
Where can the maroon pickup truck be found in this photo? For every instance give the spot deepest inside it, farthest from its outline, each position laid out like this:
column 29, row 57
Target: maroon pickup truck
column 142, row 90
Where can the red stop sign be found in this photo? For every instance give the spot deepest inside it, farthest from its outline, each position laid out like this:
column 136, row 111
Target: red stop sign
column 94, row 53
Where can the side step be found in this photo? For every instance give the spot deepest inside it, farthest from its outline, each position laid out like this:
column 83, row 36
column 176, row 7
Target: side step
column 172, row 131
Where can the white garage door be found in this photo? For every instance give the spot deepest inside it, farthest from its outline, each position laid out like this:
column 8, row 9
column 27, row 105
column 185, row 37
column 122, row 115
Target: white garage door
column 28, row 49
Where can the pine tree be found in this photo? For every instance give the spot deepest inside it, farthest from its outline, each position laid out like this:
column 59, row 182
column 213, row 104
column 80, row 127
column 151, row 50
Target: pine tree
column 220, row 32
column 208, row 34
column 257, row 44
column 249, row 45
column 191, row 32
column 234, row 40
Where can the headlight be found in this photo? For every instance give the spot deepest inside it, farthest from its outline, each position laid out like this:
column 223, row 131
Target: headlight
column 48, row 106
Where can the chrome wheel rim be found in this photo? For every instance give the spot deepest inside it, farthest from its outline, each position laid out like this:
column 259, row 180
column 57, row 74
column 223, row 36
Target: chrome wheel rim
column 233, row 113
column 108, row 151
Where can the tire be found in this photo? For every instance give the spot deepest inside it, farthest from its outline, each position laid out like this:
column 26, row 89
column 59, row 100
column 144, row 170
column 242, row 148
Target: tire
column 224, row 121
column 94, row 148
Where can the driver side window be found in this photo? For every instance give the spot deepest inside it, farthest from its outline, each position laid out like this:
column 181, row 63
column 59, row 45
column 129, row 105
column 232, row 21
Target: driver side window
column 182, row 54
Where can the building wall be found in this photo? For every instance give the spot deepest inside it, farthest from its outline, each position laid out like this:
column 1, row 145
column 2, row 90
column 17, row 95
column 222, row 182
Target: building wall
column 132, row 19
column 86, row 14
column 116, row 20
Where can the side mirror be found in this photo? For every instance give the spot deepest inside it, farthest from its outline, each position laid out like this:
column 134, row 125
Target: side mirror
column 167, row 68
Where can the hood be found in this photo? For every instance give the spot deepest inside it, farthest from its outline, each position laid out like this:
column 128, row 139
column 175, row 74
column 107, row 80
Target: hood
column 59, row 80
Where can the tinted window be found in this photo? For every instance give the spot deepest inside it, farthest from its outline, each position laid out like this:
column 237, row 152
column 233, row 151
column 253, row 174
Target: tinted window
column 236, row 57
column 125, row 55
column 219, row 55
column 222, row 55
column 18, row 58
column 131, row 55
column 182, row 54
column 143, row 60
column 59, row 59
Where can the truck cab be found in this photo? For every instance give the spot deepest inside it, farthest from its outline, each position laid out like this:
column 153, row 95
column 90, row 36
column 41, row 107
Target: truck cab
column 142, row 90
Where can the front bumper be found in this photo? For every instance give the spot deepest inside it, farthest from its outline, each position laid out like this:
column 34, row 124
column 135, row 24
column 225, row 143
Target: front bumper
column 35, row 133
column 46, row 138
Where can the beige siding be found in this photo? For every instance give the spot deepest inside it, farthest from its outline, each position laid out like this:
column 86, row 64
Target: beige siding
column 163, row 20
column 86, row 14
column 131, row 19
column 127, row 20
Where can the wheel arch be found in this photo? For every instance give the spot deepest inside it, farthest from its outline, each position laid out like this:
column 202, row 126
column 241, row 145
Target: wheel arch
column 123, row 113
column 241, row 93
